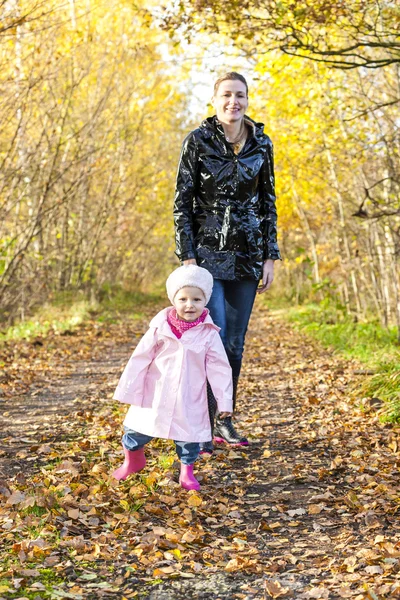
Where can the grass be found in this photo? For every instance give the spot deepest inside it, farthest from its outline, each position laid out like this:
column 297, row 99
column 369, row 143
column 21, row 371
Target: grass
column 68, row 311
column 385, row 384
column 368, row 342
column 37, row 511
column 48, row 578
column 48, row 318
column 117, row 303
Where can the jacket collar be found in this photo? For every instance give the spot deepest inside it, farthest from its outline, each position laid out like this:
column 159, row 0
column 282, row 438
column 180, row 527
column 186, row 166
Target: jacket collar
column 160, row 322
column 211, row 125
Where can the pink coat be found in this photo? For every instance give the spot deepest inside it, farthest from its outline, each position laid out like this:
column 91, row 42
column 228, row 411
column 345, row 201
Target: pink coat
column 165, row 381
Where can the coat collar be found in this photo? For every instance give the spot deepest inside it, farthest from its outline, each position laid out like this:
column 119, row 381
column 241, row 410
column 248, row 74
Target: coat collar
column 160, row 322
column 211, row 126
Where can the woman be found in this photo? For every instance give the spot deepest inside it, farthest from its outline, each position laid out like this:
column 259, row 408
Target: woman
column 225, row 220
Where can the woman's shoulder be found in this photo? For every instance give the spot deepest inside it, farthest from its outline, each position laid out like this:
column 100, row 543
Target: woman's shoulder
column 190, row 141
column 203, row 132
column 257, row 129
column 207, row 128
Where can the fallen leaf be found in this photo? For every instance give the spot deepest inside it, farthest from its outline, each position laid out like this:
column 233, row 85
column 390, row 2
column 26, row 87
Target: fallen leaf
column 195, row 500
column 379, row 539
column 188, row 537
column 45, row 449
column 296, row 511
column 235, row 456
column 374, row 570
column 275, row 590
column 5, row 588
column 66, row 466
column 15, row 498
column 168, row 500
column 345, row 592
column 29, row 572
column 315, row 509
column 317, row 593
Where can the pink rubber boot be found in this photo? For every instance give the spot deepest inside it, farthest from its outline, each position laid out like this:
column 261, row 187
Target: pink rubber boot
column 134, row 461
column 187, row 479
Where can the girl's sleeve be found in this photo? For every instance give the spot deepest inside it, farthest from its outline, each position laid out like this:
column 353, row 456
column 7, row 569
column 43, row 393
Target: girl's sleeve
column 219, row 374
column 130, row 388
column 184, row 196
column 268, row 205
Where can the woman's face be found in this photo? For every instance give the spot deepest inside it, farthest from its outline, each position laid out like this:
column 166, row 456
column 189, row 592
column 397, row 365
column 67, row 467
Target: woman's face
column 230, row 101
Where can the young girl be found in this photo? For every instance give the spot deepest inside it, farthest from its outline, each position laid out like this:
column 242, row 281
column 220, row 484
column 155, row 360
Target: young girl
column 165, row 380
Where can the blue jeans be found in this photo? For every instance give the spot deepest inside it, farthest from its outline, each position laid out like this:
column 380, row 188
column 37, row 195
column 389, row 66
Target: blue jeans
column 230, row 308
column 186, row 451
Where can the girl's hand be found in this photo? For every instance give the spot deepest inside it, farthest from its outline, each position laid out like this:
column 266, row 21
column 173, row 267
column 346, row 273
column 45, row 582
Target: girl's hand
column 225, row 414
column 268, row 276
column 190, row 261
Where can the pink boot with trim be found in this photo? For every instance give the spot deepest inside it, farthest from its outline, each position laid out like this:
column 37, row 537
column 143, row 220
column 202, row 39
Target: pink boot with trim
column 187, row 479
column 134, row 461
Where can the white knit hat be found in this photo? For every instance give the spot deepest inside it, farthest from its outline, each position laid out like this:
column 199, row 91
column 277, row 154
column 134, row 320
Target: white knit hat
column 189, row 275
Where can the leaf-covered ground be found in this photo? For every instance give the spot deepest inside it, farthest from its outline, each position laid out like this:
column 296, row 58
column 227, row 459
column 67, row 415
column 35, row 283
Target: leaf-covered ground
column 309, row 510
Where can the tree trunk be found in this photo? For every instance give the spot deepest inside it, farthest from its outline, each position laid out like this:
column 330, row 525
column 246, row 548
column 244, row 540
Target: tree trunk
column 343, row 231
column 307, row 231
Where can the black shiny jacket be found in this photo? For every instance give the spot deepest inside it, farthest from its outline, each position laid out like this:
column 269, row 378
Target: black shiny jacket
column 224, row 212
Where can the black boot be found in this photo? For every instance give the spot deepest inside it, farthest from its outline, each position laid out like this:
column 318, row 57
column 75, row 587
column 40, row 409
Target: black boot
column 224, row 430
column 207, row 447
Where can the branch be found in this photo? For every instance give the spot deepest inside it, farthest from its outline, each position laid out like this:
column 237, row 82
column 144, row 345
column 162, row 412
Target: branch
column 371, row 110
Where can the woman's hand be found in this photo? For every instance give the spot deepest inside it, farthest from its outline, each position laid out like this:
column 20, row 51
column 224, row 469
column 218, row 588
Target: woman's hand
column 268, row 276
column 225, row 414
column 189, row 261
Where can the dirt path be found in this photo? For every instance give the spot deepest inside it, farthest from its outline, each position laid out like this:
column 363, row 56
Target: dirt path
column 53, row 378
column 309, row 510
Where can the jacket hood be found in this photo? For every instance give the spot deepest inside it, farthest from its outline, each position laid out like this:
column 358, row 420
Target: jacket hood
column 160, row 320
column 212, row 126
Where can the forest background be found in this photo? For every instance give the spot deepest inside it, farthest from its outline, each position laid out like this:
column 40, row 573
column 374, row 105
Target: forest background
column 95, row 101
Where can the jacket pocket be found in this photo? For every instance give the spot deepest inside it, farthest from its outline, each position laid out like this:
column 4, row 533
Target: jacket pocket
column 152, row 386
column 221, row 264
column 209, row 233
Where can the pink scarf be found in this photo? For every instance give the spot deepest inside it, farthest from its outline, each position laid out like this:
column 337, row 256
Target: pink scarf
column 179, row 326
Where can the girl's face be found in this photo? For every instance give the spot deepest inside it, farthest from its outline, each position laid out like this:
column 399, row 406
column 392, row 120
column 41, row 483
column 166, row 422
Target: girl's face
column 189, row 303
column 230, row 101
